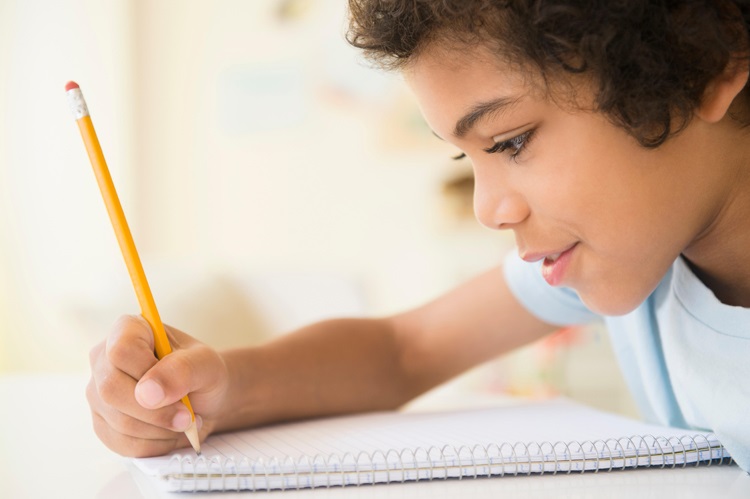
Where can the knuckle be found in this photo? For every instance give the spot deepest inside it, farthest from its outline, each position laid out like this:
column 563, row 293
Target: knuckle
column 129, row 326
column 104, row 432
column 125, row 322
column 92, row 395
column 118, row 354
column 124, row 424
column 176, row 372
column 108, row 389
column 182, row 364
column 118, row 422
column 95, row 353
column 129, row 343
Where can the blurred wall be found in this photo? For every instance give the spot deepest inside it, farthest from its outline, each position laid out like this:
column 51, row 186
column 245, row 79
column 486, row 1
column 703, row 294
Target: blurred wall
column 52, row 222
column 264, row 143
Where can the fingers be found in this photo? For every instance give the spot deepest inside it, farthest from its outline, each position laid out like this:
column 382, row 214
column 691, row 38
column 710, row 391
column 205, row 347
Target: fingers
column 130, row 346
column 125, row 424
column 130, row 351
column 192, row 370
column 135, row 446
column 111, row 396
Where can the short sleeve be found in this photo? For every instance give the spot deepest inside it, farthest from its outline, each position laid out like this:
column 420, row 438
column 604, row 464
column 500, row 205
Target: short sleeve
column 557, row 306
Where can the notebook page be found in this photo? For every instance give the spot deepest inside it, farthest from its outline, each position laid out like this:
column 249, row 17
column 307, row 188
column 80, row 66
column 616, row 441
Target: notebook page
column 550, row 421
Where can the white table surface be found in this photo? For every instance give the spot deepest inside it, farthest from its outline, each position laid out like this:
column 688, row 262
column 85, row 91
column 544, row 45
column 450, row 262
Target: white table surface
column 48, row 450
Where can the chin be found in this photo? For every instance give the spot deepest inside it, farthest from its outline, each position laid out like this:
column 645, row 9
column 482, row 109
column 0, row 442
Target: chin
column 611, row 303
column 616, row 291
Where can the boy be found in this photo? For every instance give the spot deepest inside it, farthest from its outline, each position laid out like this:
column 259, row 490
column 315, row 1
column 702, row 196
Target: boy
column 611, row 140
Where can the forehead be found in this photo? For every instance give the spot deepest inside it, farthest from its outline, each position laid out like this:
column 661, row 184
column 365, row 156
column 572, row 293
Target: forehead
column 476, row 61
column 448, row 82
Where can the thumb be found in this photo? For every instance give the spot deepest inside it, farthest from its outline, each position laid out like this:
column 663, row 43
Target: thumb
column 169, row 380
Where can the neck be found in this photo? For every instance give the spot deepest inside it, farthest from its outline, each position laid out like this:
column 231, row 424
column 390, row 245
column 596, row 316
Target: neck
column 719, row 256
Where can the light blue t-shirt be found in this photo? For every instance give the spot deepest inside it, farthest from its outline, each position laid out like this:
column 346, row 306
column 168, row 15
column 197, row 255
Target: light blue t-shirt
column 684, row 355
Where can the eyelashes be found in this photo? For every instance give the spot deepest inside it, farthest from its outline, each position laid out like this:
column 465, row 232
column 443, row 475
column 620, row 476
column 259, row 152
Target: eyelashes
column 514, row 146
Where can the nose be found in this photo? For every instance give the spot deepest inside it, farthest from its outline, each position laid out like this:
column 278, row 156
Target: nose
column 497, row 207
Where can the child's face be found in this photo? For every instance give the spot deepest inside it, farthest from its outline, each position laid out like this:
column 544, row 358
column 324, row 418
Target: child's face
column 569, row 181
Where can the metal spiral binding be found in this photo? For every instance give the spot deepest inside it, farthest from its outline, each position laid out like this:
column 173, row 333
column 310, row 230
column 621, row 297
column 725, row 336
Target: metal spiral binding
column 185, row 473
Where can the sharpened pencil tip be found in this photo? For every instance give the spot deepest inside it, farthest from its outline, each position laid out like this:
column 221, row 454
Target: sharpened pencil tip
column 192, row 434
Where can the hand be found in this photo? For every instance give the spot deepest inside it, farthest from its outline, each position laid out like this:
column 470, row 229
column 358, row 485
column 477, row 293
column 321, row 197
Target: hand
column 135, row 397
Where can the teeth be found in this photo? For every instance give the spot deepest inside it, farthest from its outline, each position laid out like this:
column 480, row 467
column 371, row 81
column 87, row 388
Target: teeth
column 554, row 257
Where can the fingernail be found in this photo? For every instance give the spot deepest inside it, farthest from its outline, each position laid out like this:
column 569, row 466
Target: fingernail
column 182, row 420
column 198, row 422
column 149, row 393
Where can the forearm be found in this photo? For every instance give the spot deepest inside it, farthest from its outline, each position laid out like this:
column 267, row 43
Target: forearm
column 353, row 365
column 332, row 367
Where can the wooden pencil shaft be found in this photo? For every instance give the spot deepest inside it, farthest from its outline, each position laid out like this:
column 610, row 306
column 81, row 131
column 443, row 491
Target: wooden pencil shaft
column 124, row 236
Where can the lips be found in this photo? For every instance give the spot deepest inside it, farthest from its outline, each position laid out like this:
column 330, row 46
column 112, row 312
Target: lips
column 554, row 266
column 555, row 263
column 552, row 255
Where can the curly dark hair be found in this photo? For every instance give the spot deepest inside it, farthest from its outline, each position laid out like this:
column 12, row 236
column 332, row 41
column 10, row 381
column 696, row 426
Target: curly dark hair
column 651, row 59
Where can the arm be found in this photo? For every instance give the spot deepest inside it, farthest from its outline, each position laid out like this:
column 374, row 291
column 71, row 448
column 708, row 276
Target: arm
column 332, row 367
column 352, row 365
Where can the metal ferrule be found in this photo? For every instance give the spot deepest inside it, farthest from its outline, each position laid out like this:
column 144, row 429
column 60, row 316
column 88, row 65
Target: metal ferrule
column 77, row 103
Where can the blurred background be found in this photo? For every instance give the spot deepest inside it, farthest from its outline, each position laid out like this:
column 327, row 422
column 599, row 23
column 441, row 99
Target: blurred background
column 270, row 178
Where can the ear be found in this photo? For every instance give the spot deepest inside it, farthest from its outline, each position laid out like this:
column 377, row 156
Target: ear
column 721, row 91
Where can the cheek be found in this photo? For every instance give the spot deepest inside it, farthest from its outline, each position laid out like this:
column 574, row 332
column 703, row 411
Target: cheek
column 559, row 190
column 589, row 181
column 556, row 174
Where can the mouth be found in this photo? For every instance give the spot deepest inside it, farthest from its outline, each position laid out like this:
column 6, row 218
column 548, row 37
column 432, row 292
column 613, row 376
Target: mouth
column 552, row 258
column 548, row 256
column 555, row 265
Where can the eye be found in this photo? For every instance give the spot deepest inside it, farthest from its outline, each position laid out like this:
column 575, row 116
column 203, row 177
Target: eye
column 513, row 146
column 459, row 156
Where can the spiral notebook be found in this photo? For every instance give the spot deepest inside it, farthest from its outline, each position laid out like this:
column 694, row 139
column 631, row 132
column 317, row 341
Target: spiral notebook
column 557, row 436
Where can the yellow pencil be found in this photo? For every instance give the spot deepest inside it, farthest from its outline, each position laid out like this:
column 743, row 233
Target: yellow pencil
column 124, row 237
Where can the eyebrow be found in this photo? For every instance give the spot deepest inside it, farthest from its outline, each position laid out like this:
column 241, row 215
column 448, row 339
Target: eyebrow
column 480, row 112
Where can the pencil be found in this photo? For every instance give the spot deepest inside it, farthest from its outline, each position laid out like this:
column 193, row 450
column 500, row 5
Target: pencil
column 124, row 237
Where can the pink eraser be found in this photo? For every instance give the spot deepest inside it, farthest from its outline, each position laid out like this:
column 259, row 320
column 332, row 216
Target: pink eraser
column 71, row 85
